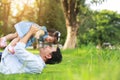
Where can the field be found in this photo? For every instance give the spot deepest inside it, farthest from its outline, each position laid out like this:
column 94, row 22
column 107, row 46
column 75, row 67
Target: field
column 86, row 63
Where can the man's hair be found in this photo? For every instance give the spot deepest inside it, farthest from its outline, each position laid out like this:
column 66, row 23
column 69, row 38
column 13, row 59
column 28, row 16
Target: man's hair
column 56, row 57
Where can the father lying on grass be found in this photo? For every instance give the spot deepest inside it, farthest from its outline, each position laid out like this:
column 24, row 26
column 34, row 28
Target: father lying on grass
column 25, row 62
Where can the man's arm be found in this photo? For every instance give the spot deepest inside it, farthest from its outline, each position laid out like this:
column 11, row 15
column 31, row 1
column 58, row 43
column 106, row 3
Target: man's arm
column 30, row 33
column 26, row 57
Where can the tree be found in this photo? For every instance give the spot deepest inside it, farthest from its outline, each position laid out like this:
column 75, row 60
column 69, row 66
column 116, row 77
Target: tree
column 5, row 9
column 25, row 13
column 105, row 29
column 86, row 25
column 71, row 9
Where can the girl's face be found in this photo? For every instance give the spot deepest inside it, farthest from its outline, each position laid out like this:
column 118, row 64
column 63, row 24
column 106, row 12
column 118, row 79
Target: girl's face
column 50, row 39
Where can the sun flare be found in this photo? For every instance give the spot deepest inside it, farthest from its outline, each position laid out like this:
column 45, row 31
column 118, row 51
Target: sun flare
column 17, row 6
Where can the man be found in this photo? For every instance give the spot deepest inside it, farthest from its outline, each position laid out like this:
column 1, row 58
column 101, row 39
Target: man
column 25, row 62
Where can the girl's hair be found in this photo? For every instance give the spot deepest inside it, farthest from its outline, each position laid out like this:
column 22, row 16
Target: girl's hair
column 57, row 35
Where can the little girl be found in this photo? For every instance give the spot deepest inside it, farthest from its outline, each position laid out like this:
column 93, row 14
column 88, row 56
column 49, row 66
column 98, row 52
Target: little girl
column 21, row 29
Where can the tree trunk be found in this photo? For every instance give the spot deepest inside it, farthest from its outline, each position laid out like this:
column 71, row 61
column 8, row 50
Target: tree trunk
column 6, row 7
column 71, row 39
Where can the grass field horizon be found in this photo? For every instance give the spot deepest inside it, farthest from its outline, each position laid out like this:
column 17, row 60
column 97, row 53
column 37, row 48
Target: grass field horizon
column 85, row 63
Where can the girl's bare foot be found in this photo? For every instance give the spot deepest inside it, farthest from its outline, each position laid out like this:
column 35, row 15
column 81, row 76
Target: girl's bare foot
column 3, row 42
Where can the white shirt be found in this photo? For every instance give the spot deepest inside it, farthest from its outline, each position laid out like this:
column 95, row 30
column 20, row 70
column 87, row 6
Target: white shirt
column 20, row 62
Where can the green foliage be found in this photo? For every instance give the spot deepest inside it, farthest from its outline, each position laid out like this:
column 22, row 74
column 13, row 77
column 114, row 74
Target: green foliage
column 85, row 63
column 97, row 1
column 0, row 28
column 104, row 28
column 53, row 18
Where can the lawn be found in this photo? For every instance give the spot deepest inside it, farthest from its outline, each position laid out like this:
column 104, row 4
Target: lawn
column 87, row 63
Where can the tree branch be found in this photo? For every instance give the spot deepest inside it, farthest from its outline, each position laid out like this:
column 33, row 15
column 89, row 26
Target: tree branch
column 65, row 6
column 77, row 7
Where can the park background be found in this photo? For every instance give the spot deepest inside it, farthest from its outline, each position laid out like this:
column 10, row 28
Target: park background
column 89, row 38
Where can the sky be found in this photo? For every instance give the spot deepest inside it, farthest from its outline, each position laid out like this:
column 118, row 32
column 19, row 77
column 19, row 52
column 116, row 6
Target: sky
column 113, row 5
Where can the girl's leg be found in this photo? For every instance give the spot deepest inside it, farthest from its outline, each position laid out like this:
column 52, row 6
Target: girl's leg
column 11, row 36
column 3, row 40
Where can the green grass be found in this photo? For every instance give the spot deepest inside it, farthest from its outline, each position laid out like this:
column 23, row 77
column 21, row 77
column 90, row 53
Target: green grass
column 87, row 63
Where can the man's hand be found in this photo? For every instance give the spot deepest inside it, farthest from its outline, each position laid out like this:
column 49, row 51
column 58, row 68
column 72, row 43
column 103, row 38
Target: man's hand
column 33, row 30
column 39, row 33
column 30, row 33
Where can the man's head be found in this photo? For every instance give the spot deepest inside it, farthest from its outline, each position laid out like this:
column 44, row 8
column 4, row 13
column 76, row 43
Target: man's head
column 51, row 55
